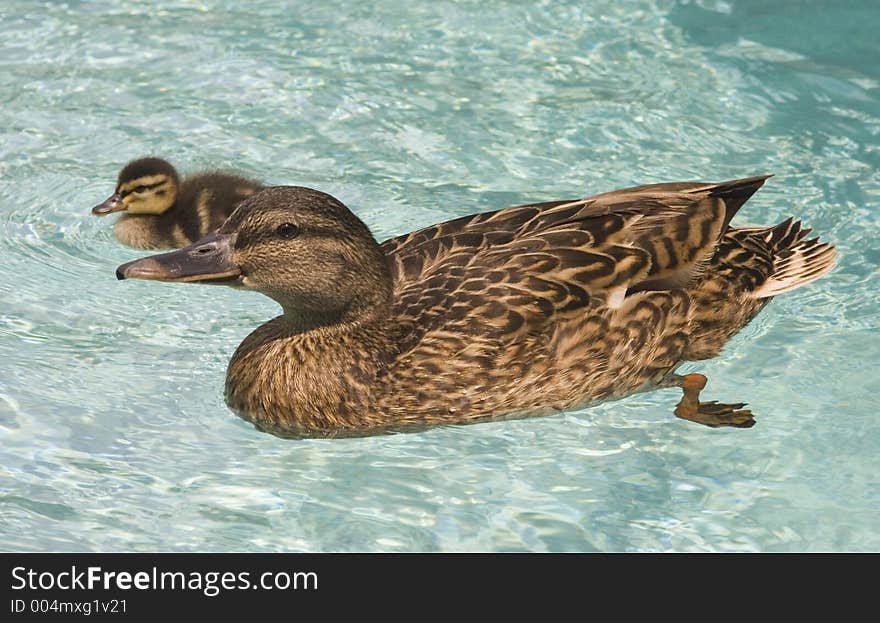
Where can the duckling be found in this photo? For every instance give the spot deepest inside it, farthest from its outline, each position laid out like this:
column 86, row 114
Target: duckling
column 528, row 310
column 161, row 212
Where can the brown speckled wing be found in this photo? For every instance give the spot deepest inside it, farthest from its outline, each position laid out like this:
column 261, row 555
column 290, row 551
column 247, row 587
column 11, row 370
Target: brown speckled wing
column 514, row 266
column 408, row 244
column 552, row 294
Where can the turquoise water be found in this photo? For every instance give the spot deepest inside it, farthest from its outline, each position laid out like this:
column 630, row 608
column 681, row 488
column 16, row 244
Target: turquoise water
column 113, row 431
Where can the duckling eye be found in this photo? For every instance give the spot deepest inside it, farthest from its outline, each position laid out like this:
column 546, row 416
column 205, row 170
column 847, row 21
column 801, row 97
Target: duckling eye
column 139, row 189
column 287, row 230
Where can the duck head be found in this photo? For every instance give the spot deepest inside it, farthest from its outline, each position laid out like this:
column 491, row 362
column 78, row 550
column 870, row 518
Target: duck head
column 298, row 246
column 144, row 186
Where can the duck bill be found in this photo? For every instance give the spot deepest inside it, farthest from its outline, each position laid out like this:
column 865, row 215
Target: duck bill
column 207, row 261
column 113, row 203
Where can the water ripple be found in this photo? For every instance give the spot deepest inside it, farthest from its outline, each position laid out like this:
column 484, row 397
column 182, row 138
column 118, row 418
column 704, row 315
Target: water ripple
column 114, row 433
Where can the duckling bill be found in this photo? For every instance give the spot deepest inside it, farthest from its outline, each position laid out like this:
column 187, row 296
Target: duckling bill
column 162, row 212
column 528, row 310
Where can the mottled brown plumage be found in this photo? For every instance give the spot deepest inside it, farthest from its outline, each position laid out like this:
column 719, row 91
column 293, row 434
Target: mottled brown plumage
column 523, row 311
column 163, row 212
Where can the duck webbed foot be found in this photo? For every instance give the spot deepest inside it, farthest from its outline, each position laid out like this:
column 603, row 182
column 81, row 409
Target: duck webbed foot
column 711, row 413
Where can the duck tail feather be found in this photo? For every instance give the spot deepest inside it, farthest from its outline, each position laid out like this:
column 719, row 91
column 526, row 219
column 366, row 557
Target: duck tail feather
column 796, row 260
column 735, row 193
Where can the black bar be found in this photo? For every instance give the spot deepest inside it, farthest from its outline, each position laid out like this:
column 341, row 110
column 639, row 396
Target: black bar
column 60, row 586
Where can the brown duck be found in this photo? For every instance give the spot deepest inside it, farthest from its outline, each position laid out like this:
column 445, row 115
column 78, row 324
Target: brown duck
column 524, row 311
column 163, row 212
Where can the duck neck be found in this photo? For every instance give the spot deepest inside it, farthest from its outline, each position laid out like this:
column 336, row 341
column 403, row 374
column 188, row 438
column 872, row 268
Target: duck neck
column 303, row 373
column 301, row 321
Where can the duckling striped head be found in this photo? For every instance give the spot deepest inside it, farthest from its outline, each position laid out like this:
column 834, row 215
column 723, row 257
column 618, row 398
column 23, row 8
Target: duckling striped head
column 144, row 186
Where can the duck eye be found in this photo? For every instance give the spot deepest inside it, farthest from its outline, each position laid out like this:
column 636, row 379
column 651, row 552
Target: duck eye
column 287, row 230
column 139, row 189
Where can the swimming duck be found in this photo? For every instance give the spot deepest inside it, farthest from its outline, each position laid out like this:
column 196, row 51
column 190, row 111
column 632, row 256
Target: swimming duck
column 163, row 212
column 528, row 310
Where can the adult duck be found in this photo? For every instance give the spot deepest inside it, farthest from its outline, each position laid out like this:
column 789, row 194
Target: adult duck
column 523, row 311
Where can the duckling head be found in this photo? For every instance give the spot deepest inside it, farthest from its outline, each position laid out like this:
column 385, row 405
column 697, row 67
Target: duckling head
column 144, row 186
column 298, row 246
